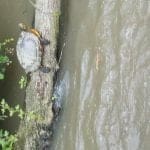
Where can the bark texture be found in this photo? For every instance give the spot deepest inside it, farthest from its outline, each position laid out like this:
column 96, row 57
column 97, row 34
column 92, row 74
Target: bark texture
column 37, row 133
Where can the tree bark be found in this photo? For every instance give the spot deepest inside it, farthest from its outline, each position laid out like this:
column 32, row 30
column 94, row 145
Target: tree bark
column 37, row 134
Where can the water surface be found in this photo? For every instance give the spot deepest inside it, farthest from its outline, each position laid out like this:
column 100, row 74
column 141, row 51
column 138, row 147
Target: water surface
column 105, row 76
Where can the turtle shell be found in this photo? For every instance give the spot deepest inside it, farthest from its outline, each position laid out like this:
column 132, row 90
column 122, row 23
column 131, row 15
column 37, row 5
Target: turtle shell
column 29, row 51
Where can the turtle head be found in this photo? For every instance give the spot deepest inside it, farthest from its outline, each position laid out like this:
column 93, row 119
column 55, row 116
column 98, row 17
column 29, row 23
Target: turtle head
column 23, row 27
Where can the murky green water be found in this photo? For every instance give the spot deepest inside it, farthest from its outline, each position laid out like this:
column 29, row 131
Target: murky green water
column 11, row 13
column 105, row 76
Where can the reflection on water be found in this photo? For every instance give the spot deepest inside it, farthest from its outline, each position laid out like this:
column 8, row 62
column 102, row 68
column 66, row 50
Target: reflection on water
column 106, row 58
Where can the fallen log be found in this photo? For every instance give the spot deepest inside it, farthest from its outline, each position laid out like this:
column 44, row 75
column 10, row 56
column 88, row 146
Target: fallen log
column 36, row 134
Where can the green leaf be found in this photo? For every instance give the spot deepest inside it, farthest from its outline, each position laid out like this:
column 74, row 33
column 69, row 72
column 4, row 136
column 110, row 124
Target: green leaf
column 11, row 112
column 6, row 133
column 23, row 82
column 54, row 98
column 17, row 107
column 1, row 76
column 7, row 140
column 2, row 110
column 1, row 132
column 3, row 102
column 21, row 114
column 4, row 59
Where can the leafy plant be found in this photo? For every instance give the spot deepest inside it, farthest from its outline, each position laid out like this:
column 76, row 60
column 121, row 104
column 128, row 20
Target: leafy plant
column 54, row 98
column 7, row 140
column 23, row 82
column 10, row 111
column 4, row 60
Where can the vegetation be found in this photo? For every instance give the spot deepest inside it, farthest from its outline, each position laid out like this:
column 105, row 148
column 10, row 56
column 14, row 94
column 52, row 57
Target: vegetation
column 4, row 60
column 6, row 139
column 7, row 111
column 23, row 82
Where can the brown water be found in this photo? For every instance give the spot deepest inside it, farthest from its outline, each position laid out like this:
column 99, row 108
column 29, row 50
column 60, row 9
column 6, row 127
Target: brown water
column 105, row 76
column 11, row 13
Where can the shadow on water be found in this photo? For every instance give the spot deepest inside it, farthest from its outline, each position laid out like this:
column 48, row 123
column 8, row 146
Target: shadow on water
column 13, row 12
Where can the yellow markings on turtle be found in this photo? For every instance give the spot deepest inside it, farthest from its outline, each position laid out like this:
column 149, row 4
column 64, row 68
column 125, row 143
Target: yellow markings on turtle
column 35, row 32
column 26, row 28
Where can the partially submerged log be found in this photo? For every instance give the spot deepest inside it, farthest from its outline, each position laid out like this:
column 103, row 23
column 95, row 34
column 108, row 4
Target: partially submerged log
column 39, row 90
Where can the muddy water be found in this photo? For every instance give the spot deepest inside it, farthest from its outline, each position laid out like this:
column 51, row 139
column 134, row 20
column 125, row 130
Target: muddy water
column 11, row 13
column 105, row 76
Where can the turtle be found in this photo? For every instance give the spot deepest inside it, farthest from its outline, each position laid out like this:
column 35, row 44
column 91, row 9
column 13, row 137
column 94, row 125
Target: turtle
column 30, row 47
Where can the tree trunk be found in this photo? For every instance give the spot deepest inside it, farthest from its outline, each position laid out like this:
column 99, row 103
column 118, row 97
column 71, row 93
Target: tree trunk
column 37, row 133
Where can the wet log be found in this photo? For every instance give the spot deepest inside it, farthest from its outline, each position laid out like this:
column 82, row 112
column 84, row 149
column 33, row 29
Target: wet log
column 36, row 134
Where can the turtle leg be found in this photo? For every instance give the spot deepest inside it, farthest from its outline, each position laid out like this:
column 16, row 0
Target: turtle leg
column 44, row 41
column 44, row 69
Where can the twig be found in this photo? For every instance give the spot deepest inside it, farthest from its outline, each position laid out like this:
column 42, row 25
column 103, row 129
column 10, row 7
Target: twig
column 60, row 57
column 32, row 3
